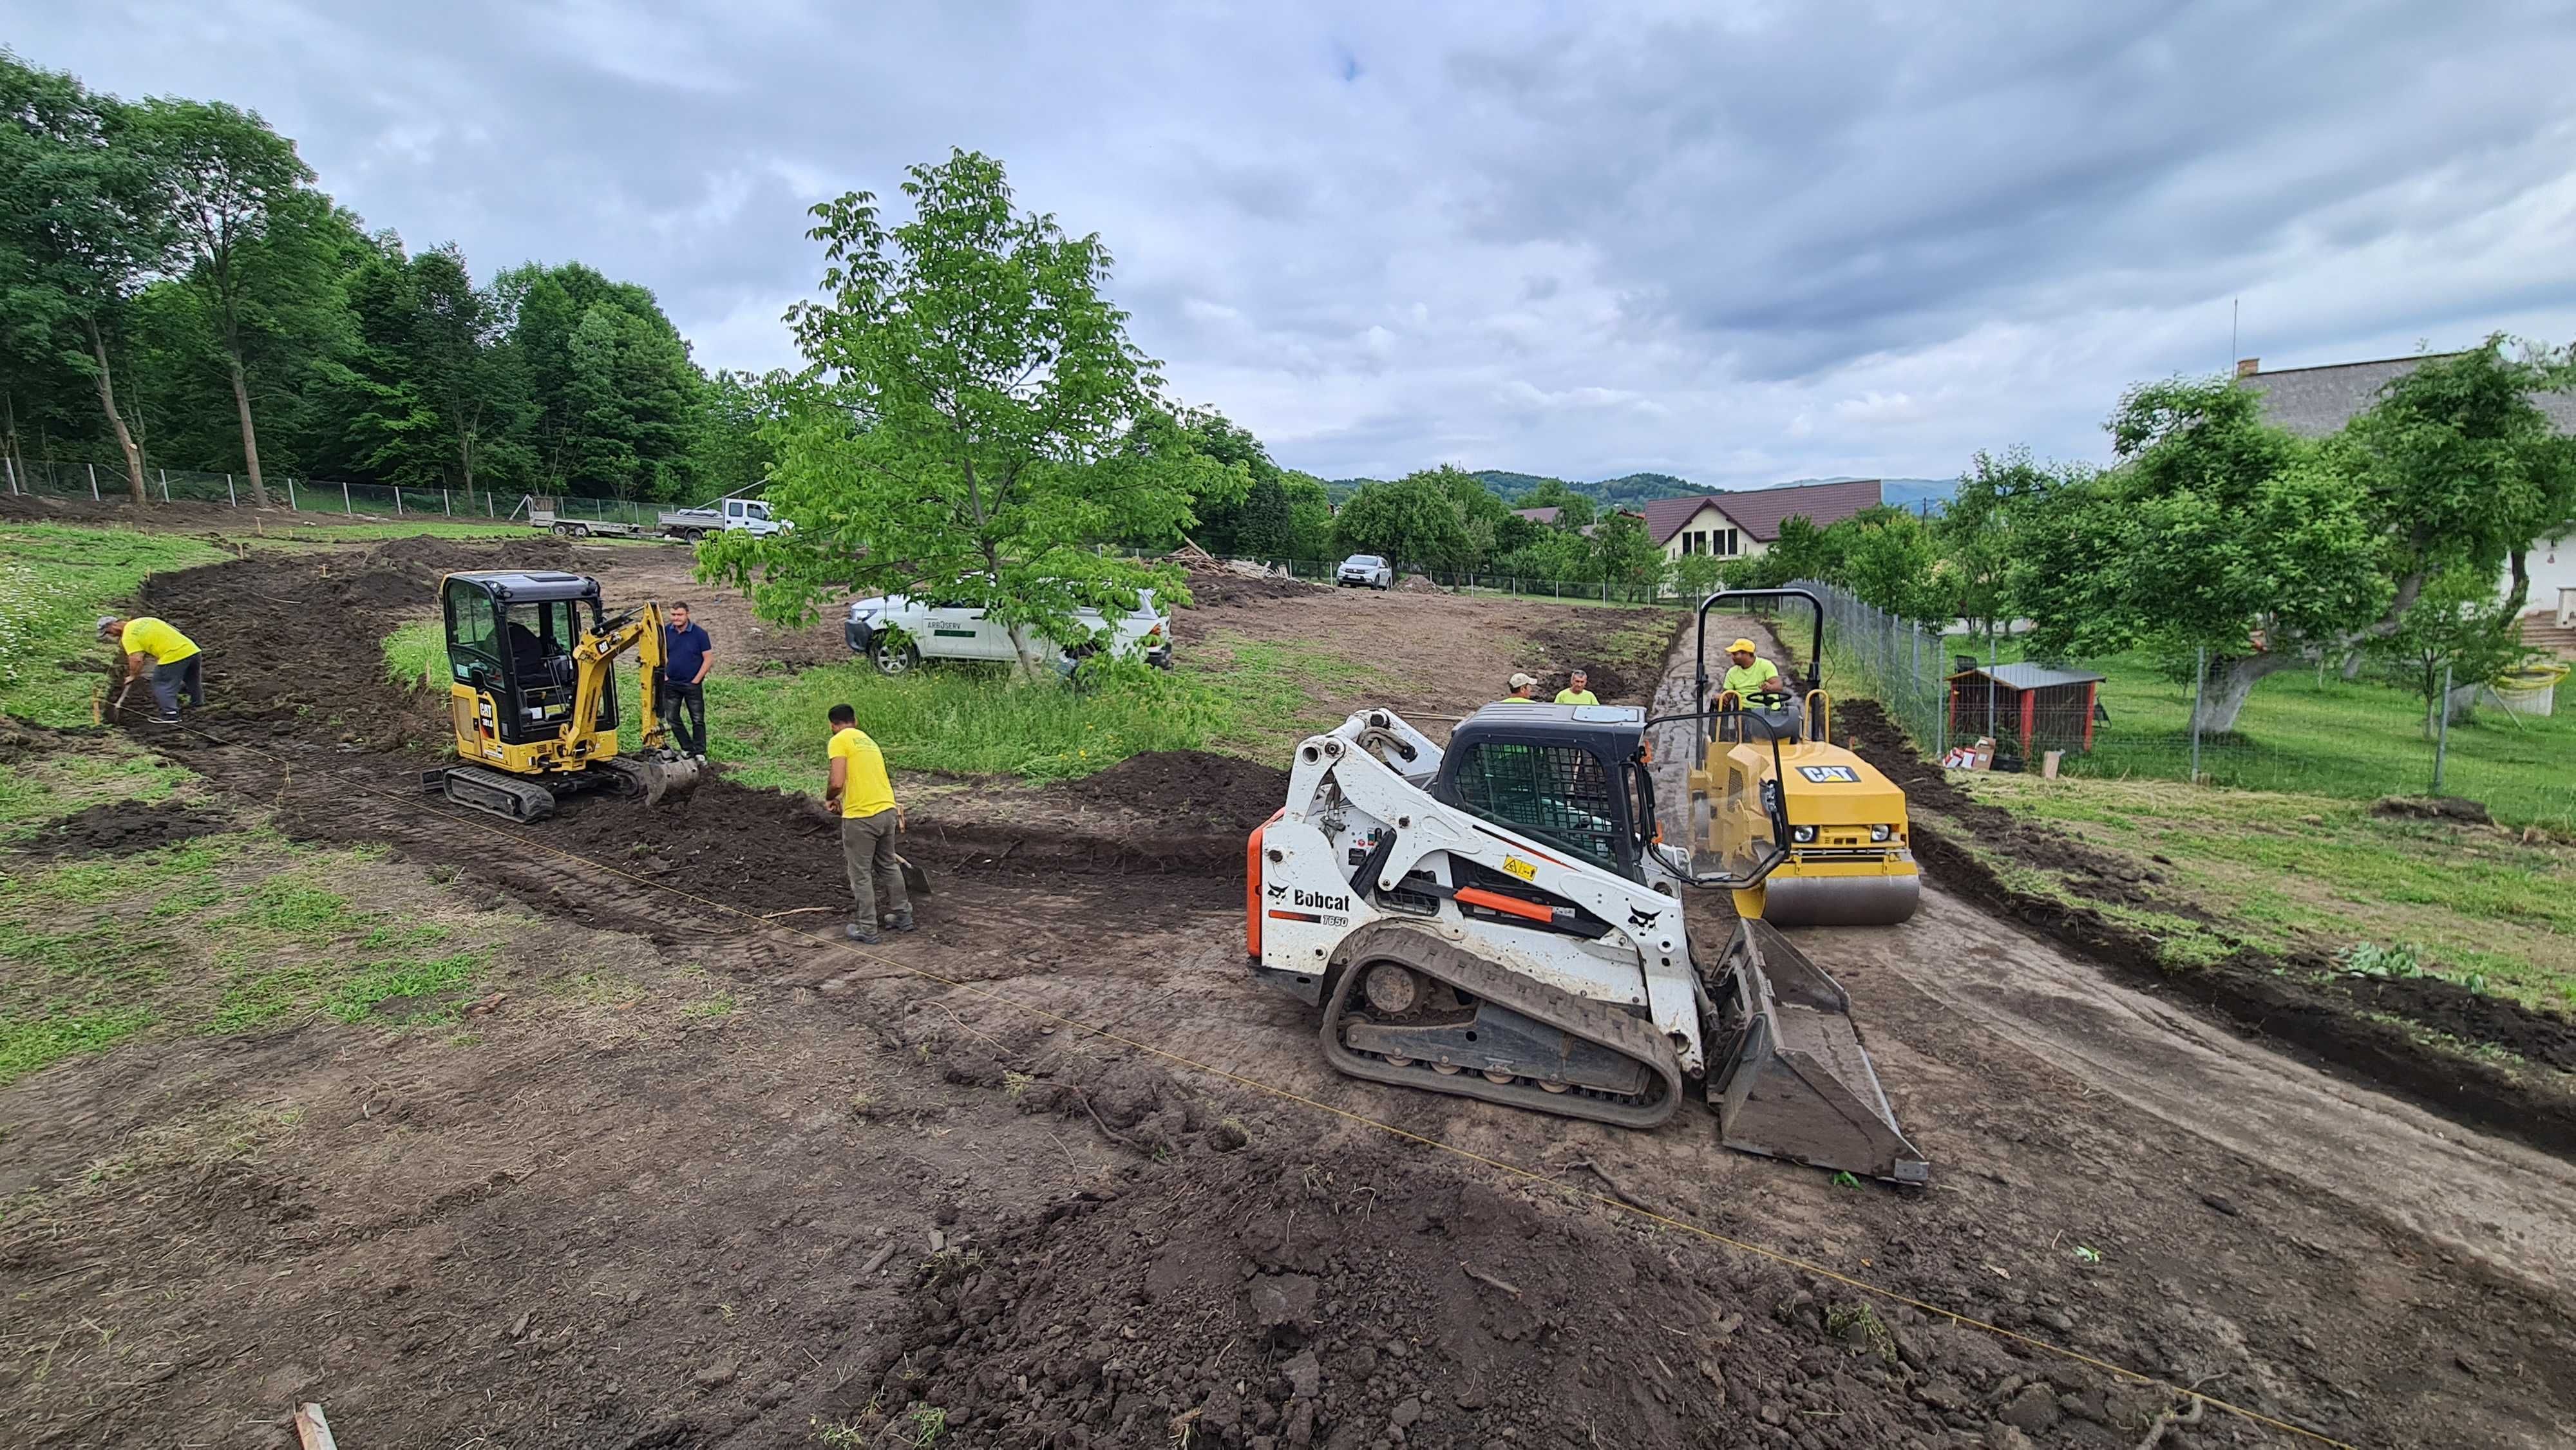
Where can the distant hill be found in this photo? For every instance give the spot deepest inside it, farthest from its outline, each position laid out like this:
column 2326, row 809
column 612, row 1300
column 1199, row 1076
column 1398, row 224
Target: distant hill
column 1633, row 489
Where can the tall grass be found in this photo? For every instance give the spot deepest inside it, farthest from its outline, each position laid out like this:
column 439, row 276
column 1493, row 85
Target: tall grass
column 963, row 719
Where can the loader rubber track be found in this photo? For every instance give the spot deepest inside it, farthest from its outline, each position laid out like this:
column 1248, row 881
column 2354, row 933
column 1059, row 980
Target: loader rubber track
column 1477, row 979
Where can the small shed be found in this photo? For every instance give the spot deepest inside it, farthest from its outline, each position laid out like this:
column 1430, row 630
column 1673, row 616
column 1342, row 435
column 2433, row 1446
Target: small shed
column 2048, row 709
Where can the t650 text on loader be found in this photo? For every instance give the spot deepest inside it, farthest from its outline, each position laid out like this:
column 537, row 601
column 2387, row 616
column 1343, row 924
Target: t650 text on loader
column 533, row 696
column 1500, row 920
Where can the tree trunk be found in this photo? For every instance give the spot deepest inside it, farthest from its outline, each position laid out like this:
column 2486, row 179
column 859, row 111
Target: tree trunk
column 250, row 435
column 107, row 400
column 2223, row 695
column 2353, row 660
column 2458, row 705
column 1024, row 645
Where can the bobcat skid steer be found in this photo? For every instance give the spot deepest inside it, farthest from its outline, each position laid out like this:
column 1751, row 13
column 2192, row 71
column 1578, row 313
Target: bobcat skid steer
column 1500, row 920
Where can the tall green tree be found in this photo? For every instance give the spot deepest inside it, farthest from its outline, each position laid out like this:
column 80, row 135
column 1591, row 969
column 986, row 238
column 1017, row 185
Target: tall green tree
column 83, row 224
column 1975, row 534
column 1310, row 515
column 472, row 380
column 1266, row 529
column 1891, row 561
column 1412, row 520
column 1624, row 555
column 225, row 175
column 2461, row 633
column 2216, row 533
column 963, row 424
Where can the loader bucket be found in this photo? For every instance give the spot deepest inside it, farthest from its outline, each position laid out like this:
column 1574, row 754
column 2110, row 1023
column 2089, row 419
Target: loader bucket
column 1795, row 1081
column 666, row 776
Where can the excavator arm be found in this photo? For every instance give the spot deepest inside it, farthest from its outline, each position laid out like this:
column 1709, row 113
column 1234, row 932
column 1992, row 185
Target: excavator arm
column 594, row 661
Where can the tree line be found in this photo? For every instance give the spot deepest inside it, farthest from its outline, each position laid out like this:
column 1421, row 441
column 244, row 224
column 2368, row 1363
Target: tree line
column 2398, row 545
column 174, row 287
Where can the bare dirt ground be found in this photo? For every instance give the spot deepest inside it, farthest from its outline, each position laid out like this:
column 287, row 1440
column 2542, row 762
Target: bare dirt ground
column 1054, row 1172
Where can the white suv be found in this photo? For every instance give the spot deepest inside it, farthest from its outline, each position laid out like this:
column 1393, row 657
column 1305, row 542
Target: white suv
column 934, row 631
column 1367, row 570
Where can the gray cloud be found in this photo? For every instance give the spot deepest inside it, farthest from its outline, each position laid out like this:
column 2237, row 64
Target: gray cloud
column 1748, row 242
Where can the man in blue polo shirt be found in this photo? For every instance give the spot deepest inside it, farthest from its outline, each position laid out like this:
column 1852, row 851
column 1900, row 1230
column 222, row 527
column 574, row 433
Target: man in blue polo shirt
column 687, row 655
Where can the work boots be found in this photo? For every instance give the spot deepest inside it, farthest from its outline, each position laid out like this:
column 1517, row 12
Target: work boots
column 901, row 921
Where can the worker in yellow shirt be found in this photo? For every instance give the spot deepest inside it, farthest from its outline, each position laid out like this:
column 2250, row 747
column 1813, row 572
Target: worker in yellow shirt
column 1747, row 673
column 1577, row 691
column 177, row 665
column 1521, row 686
column 863, row 796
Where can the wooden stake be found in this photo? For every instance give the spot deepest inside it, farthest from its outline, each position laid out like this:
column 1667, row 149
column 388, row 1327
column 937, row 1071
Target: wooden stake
column 312, row 1429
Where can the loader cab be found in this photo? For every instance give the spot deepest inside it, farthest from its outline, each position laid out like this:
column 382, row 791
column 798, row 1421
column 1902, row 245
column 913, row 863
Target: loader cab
column 1572, row 776
column 510, row 640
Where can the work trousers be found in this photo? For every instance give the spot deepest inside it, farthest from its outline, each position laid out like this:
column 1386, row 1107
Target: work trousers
column 684, row 709
column 170, row 681
column 876, row 881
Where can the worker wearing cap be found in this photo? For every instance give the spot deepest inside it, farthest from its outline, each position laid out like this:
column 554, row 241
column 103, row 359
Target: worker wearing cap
column 860, row 792
column 1749, row 674
column 176, row 663
column 1577, row 691
column 1521, row 685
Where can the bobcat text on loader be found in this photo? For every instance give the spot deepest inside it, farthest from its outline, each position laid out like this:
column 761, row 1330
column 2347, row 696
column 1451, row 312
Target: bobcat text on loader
column 533, row 696
column 1500, row 920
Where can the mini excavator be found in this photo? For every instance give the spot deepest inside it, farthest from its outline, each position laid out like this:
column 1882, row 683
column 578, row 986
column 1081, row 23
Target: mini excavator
column 533, row 696
column 1499, row 919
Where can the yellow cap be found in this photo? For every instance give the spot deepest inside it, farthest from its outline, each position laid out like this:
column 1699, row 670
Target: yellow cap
column 1742, row 644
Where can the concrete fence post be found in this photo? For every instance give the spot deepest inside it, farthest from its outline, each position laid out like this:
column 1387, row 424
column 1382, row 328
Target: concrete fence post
column 93, row 481
column 2442, row 729
column 231, row 492
column 290, row 494
column 2199, row 688
column 346, row 506
column 165, row 485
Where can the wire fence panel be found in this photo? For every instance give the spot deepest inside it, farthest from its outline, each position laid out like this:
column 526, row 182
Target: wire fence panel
column 108, row 483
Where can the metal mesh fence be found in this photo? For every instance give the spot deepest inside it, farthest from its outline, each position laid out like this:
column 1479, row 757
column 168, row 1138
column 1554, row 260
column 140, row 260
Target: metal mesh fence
column 107, row 483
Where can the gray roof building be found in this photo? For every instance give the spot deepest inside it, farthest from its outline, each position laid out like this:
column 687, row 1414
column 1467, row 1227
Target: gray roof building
column 2313, row 402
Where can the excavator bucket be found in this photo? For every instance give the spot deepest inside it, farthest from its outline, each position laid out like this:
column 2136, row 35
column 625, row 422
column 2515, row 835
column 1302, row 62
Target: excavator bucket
column 659, row 777
column 1795, row 1081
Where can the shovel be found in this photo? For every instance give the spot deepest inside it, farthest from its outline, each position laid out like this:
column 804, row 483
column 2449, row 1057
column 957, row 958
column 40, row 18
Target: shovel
column 915, row 880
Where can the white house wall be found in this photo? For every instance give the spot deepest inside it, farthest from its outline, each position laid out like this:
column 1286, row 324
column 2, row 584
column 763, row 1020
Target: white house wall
column 1711, row 518
column 2552, row 564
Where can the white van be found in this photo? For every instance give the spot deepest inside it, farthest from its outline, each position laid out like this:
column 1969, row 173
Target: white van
column 935, row 631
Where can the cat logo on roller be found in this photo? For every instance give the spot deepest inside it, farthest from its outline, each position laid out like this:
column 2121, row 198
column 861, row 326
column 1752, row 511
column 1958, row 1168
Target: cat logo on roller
column 1506, row 925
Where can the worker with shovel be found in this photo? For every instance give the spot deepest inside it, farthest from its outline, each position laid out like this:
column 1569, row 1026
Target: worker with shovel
column 861, row 793
column 177, row 665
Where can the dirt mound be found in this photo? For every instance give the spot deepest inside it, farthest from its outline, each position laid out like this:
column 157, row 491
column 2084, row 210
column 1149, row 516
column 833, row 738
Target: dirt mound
column 1418, row 584
column 1224, row 589
column 1268, row 1300
column 2432, row 808
column 1221, row 789
column 121, row 828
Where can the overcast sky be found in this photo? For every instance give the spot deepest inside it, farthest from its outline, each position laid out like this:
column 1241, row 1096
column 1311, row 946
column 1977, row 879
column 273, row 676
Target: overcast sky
column 1738, row 242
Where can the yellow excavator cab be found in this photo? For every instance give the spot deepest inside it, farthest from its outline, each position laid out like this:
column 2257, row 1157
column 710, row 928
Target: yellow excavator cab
column 533, row 697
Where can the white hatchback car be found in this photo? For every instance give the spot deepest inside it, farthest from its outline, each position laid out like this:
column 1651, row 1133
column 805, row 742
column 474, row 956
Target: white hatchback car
column 1366, row 570
column 935, row 631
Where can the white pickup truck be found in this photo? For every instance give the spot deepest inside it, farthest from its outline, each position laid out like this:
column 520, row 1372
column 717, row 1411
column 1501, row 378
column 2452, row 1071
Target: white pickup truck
column 927, row 630
column 750, row 515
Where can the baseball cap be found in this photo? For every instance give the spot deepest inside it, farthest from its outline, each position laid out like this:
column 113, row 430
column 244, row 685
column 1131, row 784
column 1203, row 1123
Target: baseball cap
column 106, row 622
column 1743, row 644
column 1524, row 682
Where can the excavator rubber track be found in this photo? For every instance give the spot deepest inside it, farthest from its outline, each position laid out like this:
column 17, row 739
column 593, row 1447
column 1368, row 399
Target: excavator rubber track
column 490, row 791
column 1582, row 1023
column 1792, row 1079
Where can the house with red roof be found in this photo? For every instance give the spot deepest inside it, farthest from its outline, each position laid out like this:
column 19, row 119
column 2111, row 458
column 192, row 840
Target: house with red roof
column 1744, row 524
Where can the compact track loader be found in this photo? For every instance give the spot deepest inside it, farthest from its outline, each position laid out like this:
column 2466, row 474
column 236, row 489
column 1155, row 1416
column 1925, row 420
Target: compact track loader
column 533, row 696
column 1500, row 920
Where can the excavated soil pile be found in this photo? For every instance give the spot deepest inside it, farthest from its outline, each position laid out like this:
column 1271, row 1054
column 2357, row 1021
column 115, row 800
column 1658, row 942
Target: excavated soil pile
column 2302, row 1000
column 1220, row 789
column 1225, row 589
column 1418, row 584
column 1271, row 1302
column 121, row 828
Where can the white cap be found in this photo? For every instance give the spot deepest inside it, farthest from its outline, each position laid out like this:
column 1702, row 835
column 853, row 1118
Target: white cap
column 1524, row 682
column 105, row 622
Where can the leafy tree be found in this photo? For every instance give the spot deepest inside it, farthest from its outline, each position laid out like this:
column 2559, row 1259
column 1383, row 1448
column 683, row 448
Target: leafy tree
column 1975, row 534
column 2460, row 630
column 83, row 224
column 1412, row 520
column 1219, row 494
column 473, row 381
column 1310, row 515
column 1697, row 576
column 732, row 450
column 224, row 174
column 2217, row 532
column 964, row 424
column 1891, row 561
column 1623, row 554
column 1265, row 528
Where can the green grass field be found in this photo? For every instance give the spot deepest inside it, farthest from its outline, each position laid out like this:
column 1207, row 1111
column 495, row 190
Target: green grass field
column 54, row 584
column 2282, row 871
column 2315, row 735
